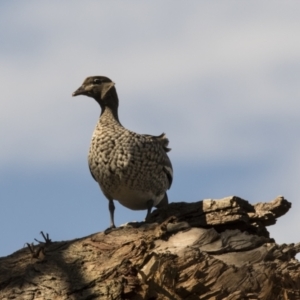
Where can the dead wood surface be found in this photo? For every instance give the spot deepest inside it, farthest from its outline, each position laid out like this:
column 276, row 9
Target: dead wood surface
column 211, row 249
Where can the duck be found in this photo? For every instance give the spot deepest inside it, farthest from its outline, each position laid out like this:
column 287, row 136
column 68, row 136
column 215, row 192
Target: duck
column 133, row 169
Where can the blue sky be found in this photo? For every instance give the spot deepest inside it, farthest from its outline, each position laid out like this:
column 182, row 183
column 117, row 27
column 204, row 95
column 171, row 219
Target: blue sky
column 220, row 78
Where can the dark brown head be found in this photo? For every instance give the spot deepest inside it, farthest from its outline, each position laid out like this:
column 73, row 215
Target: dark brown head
column 101, row 89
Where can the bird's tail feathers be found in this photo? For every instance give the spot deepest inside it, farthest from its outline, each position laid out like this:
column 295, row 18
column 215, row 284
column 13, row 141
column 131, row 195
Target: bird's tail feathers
column 164, row 141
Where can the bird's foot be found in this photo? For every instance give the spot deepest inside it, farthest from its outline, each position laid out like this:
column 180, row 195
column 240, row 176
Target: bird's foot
column 111, row 229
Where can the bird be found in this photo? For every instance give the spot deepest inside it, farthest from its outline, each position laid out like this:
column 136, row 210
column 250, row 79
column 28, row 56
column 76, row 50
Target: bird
column 131, row 168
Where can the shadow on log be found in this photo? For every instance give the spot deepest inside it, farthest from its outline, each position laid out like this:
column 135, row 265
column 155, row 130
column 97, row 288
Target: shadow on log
column 211, row 249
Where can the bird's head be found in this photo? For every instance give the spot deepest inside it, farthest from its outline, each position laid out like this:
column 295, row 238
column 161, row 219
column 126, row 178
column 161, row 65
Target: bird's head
column 98, row 87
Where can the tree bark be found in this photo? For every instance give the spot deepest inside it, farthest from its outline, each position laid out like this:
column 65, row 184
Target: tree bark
column 211, row 249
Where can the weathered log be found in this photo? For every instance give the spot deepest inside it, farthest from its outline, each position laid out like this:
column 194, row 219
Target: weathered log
column 211, row 249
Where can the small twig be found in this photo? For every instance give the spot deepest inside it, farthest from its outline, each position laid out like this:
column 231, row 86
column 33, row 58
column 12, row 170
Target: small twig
column 41, row 247
column 30, row 247
column 46, row 238
column 36, row 254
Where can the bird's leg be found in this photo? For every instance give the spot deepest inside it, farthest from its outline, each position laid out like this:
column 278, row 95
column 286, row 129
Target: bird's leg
column 149, row 208
column 112, row 226
column 111, row 208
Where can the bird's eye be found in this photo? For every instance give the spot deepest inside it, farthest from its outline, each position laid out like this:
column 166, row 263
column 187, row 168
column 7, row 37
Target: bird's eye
column 97, row 80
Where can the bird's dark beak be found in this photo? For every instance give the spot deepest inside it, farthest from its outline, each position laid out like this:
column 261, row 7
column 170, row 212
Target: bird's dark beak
column 80, row 91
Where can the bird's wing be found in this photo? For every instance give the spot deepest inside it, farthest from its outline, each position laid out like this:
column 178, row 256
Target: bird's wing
column 162, row 156
column 168, row 169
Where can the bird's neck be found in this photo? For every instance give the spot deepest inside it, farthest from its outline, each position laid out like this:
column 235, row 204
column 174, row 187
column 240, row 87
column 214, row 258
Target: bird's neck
column 109, row 116
column 109, row 107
